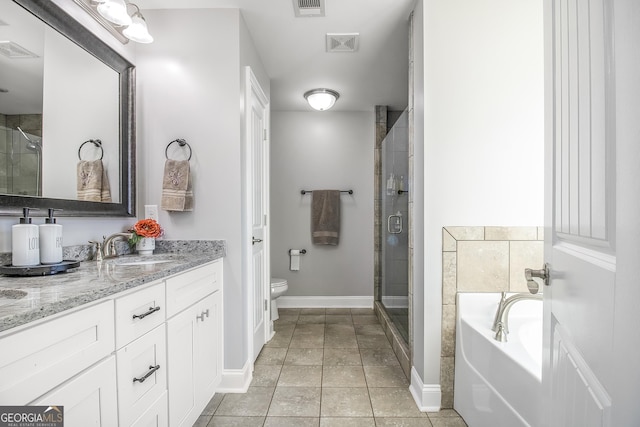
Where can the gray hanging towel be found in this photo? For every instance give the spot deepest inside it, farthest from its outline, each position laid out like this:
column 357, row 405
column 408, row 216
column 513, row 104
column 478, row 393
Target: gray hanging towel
column 177, row 191
column 93, row 183
column 325, row 217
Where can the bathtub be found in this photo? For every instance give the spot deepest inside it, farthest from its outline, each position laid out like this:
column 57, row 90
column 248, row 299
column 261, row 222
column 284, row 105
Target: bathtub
column 498, row 384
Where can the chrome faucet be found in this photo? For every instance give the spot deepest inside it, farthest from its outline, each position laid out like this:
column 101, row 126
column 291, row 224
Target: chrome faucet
column 501, row 320
column 109, row 244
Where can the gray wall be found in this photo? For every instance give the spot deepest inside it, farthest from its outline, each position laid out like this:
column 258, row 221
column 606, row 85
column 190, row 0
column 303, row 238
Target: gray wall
column 190, row 86
column 323, row 150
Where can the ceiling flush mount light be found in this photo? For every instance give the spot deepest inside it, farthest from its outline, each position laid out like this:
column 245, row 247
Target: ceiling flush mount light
column 321, row 99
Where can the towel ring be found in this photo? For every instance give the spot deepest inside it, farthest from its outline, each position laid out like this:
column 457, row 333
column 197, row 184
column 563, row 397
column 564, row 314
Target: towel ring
column 95, row 142
column 181, row 142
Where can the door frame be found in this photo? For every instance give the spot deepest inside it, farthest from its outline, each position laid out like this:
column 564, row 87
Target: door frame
column 252, row 86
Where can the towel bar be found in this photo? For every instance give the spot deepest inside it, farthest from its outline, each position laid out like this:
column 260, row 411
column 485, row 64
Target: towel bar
column 303, row 192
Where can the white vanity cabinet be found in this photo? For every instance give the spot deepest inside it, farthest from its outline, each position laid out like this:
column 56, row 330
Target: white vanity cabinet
column 89, row 399
column 67, row 360
column 141, row 354
column 149, row 356
column 194, row 340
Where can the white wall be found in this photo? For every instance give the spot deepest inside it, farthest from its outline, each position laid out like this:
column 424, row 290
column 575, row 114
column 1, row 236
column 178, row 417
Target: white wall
column 189, row 86
column 323, row 150
column 483, row 134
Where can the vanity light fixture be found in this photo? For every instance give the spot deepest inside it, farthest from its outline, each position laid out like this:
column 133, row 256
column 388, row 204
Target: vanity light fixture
column 138, row 31
column 115, row 11
column 321, row 99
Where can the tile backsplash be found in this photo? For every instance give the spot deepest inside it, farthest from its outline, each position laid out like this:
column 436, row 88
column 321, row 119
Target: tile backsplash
column 481, row 259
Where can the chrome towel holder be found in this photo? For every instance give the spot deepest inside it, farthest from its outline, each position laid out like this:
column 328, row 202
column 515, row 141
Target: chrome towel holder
column 181, row 142
column 95, row 142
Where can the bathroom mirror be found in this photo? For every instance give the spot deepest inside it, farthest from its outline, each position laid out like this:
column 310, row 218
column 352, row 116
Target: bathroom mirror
column 91, row 97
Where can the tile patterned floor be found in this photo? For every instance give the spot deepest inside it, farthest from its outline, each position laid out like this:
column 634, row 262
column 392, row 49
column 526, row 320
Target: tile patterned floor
column 325, row 368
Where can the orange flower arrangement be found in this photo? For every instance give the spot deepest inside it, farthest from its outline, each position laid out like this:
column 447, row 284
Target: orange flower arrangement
column 145, row 228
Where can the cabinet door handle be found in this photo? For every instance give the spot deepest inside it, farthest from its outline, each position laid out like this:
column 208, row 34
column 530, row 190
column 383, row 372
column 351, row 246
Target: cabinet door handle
column 152, row 369
column 203, row 314
column 143, row 315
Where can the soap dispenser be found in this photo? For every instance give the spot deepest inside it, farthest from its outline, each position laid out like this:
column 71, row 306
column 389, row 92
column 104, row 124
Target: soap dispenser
column 50, row 240
column 24, row 242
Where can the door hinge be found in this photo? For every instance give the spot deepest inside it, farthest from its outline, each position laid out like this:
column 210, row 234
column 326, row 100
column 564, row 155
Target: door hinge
column 265, row 219
column 265, row 304
column 264, row 134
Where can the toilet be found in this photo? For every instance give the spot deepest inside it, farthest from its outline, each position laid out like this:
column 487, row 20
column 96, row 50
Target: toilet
column 278, row 288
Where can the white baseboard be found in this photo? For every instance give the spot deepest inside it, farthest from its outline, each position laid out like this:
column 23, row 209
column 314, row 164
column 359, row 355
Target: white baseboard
column 236, row 380
column 428, row 397
column 325, row 302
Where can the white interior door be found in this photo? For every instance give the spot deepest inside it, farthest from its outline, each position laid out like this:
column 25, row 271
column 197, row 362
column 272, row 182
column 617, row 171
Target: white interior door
column 580, row 223
column 257, row 154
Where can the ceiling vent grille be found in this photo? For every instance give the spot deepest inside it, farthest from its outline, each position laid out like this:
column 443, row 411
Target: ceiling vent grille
column 15, row 51
column 308, row 8
column 343, row 42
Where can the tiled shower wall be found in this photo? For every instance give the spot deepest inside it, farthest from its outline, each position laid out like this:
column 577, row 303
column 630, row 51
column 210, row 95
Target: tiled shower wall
column 481, row 259
column 18, row 166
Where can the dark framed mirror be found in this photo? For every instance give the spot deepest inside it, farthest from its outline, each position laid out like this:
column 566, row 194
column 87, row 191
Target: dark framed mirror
column 121, row 127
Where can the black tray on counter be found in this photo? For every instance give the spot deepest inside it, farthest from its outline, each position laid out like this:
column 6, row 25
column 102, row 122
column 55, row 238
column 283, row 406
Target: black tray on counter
column 39, row 270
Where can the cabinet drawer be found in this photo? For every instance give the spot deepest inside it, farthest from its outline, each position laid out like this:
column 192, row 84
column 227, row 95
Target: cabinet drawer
column 190, row 287
column 88, row 399
column 35, row 360
column 138, row 313
column 156, row 416
column 142, row 374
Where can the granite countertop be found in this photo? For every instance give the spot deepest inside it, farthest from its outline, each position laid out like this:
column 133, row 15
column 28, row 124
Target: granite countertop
column 25, row 299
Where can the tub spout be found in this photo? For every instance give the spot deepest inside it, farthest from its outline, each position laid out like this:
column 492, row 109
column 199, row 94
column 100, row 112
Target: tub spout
column 501, row 322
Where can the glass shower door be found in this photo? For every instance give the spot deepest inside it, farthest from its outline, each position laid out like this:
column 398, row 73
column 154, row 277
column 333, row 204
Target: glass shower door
column 395, row 232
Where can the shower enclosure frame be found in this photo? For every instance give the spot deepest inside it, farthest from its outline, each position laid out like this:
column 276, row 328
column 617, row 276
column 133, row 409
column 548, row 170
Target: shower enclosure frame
column 400, row 344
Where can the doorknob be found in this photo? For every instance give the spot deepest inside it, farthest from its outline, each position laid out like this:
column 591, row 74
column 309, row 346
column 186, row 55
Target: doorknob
column 254, row 240
column 543, row 274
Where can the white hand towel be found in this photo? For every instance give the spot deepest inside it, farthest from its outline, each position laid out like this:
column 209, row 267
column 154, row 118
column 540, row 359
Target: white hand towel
column 294, row 265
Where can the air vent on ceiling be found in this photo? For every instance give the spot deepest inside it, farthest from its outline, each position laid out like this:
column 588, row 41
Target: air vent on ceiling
column 308, row 8
column 343, row 42
column 15, row 51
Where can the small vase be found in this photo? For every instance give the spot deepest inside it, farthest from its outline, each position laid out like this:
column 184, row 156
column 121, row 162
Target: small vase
column 146, row 245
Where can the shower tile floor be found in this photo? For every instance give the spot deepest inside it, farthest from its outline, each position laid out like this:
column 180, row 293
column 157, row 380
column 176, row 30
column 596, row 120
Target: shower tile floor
column 325, row 368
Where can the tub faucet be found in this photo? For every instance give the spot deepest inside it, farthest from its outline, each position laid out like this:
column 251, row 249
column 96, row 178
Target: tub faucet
column 109, row 244
column 501, row 321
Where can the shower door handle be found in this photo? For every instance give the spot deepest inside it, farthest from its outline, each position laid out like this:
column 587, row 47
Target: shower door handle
column 394, row 224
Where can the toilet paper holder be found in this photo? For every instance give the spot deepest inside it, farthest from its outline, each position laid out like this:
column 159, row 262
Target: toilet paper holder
column 302, row 251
